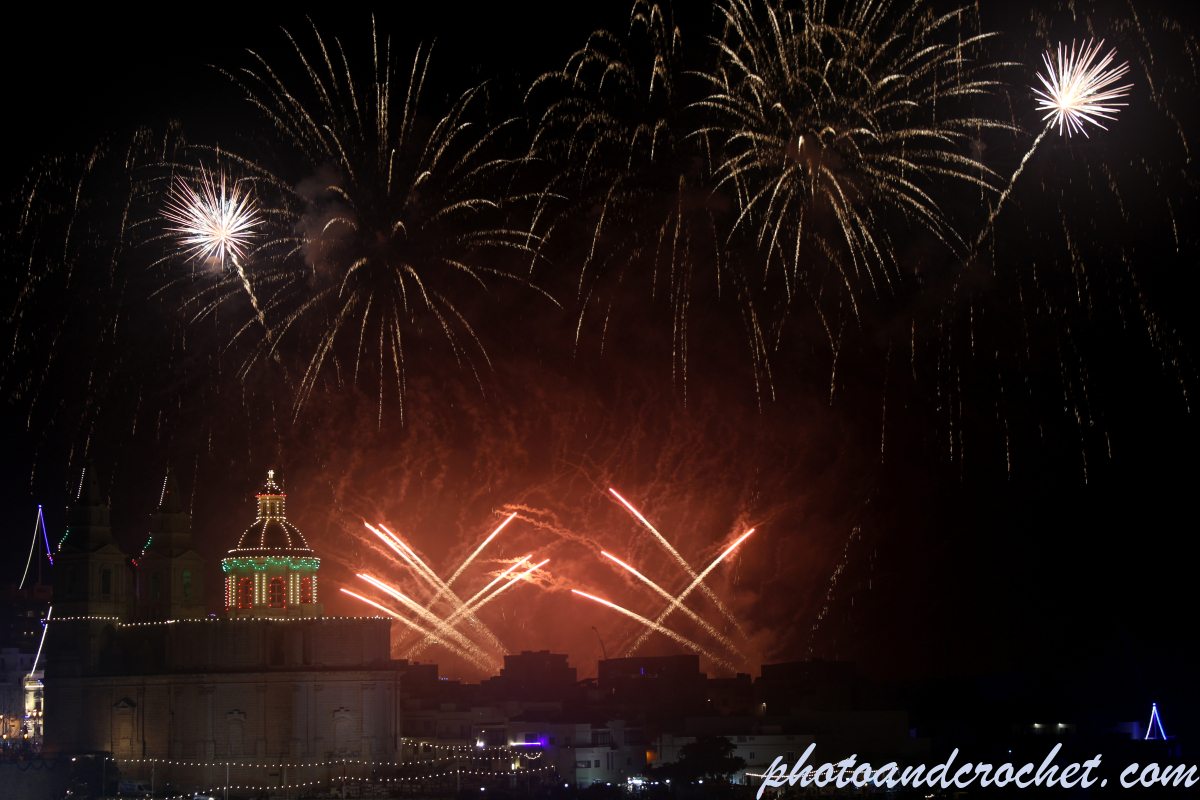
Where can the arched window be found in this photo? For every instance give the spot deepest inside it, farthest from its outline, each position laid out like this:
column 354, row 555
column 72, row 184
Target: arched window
column 245, row 593
column 154, row 587
column 306, row 592
column 106, row 581
column 187, row 584
column 276, row 593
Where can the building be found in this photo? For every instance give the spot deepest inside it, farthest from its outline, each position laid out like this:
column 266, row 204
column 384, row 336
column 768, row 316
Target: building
column 136, row 667
column 21, row 613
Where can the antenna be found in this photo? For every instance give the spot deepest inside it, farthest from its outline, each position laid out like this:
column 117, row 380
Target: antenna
column 602, row 650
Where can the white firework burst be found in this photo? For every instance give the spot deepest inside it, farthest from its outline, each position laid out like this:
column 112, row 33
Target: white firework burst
column 213, row 222
column 1079, row 88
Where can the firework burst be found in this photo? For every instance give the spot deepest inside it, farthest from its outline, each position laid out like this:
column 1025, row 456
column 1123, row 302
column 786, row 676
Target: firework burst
column 380, row 225
column 214, row 223
column 635, row 183
column 839, row 125
column 1078, row 89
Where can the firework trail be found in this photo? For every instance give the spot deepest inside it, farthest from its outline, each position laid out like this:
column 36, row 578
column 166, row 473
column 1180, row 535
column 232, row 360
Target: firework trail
column 654, row 626
column 214, row 224
column 479, row 549
column 469, row 610
column 1077, row 90
column 466, row 608
column 481, row 658
column 699, row 581
column 725, row 612
column 439, row 586
column 671, row 599
column 512, row 582
column 470, row 559
column 463, row 654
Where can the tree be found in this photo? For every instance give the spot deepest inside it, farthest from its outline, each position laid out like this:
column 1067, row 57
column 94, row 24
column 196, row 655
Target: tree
column 708, row 757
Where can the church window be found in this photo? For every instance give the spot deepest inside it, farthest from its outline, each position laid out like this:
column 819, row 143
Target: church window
column 106, row 581
column 306, row 592
column 276, row 593
column 154, row 587
column 245, row 593
column 187, row 584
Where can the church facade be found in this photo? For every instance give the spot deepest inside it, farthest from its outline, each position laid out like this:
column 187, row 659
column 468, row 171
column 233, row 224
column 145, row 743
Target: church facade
column 268, row 688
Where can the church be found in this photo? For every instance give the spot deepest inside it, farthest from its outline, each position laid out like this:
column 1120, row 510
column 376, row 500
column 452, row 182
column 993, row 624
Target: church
column 268, row 689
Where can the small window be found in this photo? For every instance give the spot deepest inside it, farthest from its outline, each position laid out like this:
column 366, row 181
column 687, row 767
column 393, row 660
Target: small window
column 187, row 584
column 106, row 581
column 154, row 587
column 306, row 589
column 629, row 761
column 751, row 756
column 245, row 593
column 596, row 763
column 791, row 757
column 276, row 592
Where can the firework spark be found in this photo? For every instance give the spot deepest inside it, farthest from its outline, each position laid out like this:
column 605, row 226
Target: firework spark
column 671, row 599
column 654, row 626
column 467, row 608
column 479, row 656
column 698, row 581
column 512, row 582
column 725, row 612
column 433, row 637
column 1078, row 89
column 440, row 588
column 479, row 549
column 216, row 222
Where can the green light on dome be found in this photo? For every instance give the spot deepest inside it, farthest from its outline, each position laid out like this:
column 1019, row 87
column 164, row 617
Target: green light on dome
column 270, row 562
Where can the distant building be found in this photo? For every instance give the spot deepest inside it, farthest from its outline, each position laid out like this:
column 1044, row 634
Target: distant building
column 21, row 615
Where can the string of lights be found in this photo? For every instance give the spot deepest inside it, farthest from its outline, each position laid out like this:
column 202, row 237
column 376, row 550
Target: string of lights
column 211, row 619
column 326, row 763
column 359, row 781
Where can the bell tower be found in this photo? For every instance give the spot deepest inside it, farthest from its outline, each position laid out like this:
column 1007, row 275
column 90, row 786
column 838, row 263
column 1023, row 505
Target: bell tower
column 170, row 573
column 89, row 568
column 272, row 573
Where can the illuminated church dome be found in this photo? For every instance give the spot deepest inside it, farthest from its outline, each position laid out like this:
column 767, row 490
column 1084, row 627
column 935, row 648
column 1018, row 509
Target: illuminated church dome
column 272, row 572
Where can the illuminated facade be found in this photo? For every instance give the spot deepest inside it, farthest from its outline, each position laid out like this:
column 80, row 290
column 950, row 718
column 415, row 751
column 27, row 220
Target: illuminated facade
column 272, row 573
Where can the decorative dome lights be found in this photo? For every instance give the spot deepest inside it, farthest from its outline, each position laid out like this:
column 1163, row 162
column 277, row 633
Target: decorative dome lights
column 272, row 572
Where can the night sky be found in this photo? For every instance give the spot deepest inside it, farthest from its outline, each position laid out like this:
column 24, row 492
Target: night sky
column 911, row 515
